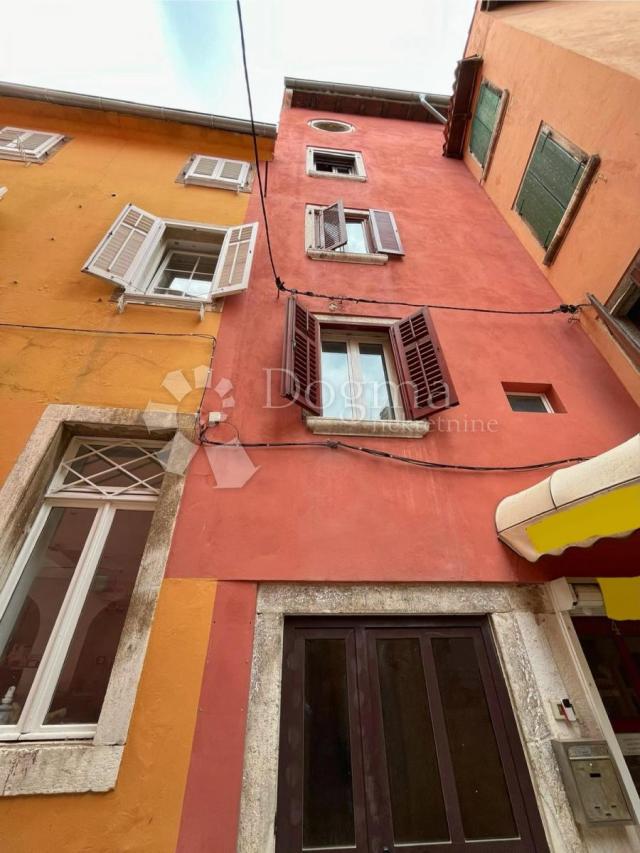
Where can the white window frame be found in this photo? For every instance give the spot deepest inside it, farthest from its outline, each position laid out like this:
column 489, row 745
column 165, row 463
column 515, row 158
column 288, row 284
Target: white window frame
column 137, row 283
column 151, row 289
column 14, row 150
column 359, row 173
column 317, row 253
column 216, row 179
column 537, row 394
column 106, row 500
column 353, row 339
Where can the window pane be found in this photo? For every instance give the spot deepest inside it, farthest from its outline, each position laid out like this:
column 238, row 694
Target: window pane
column 83, row 681
column 526, row 403
column 414, row 780
column 335, row 380
column 328, row 797
column 482, row 790
column 356, row 238
column 375, row 398
column 27, row 623
column 610, row 675
column 114, row 467
column 187, row 274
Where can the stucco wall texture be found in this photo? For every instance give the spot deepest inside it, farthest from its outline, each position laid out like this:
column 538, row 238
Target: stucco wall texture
column 577, row 70
column 142, row 814
column 51, row 219
column 314, row 514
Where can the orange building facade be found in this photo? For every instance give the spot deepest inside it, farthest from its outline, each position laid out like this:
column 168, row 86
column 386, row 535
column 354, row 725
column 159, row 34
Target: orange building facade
column 108, row 366
column 572, row 68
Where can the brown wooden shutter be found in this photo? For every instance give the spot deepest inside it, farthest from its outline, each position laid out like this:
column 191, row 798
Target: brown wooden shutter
column 425, row 383
column 301, row 358
column 385, row 232
column 333, row 226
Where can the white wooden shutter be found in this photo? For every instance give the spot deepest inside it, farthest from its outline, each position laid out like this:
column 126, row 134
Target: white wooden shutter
column 234, row 264
column 119, row 254
column 17, row 143
column 217, row 172
column 385, row 232
column 333, row 226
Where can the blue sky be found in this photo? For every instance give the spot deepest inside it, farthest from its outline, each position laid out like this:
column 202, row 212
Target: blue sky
column 186, row 53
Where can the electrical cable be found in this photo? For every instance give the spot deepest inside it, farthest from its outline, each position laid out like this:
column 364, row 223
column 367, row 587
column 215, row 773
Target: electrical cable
column 561, row 309
column 384, row 454
column 108, row 331
column 255, row 144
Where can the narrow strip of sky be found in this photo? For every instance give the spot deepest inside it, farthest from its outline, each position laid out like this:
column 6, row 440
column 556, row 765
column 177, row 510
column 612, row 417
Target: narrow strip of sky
column 186, row 53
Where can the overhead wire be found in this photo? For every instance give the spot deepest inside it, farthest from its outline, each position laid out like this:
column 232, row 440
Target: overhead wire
column 560, row 309
column 281, row 287
column 335, row 444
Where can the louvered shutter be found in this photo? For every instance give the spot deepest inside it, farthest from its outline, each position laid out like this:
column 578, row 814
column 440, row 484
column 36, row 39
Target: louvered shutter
column 234, row 264
column 484, row 122
column 217, row 172
column 126, row 245
column 548, row 185
column 301, row 358
column 333, row 226
column 425, row 382
column 385, row 232
column 17, row 143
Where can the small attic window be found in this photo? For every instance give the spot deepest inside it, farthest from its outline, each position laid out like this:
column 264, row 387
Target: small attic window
column 331, row 125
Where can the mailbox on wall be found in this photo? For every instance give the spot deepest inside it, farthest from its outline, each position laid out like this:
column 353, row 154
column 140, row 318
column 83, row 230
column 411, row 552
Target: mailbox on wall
column 592, row 782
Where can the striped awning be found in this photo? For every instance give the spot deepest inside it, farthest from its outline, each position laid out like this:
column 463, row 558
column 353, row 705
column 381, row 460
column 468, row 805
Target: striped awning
column 575, row 506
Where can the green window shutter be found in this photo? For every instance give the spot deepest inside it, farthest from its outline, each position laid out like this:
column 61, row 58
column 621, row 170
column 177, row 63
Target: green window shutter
column 484, row 121
column 548, row 186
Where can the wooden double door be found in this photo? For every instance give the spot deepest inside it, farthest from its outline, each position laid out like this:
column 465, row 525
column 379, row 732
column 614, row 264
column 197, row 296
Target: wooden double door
column 398, row 735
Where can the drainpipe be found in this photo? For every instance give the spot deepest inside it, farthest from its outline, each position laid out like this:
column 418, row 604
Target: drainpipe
column 434, row 112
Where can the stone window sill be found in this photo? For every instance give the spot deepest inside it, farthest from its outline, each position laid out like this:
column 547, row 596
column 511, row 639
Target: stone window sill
column 314, row 174
column 58, row 768
column 348, row 257
column 387, row 429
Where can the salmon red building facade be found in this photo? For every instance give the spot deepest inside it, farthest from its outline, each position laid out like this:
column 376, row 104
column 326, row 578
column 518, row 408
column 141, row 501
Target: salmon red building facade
column 315, row 541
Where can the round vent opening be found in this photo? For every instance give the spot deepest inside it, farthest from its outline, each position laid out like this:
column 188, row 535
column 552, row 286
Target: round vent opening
column 331, row 125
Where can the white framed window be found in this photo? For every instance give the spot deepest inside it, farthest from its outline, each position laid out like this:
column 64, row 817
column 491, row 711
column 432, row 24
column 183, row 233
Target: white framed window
column 521, row 401
column 171, row 262
column 64, row 604
column 348, row 234
column 219, row 172
column 359, row 376
column 332, row 163
column 31, row 146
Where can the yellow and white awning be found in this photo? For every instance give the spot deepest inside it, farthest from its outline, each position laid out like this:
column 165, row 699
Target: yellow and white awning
column 575, row 506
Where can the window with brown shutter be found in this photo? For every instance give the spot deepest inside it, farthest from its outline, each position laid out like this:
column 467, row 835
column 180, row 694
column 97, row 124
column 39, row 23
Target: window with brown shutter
column 301, row 358
column 354, row 373
column 348, row 234
column 426, row 385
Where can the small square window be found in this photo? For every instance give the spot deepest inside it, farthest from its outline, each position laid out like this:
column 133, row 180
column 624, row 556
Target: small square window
column 332, row 163
column 525, row 402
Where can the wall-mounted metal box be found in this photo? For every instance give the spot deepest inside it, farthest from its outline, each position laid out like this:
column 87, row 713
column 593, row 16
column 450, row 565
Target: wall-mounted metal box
column 592, row 782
